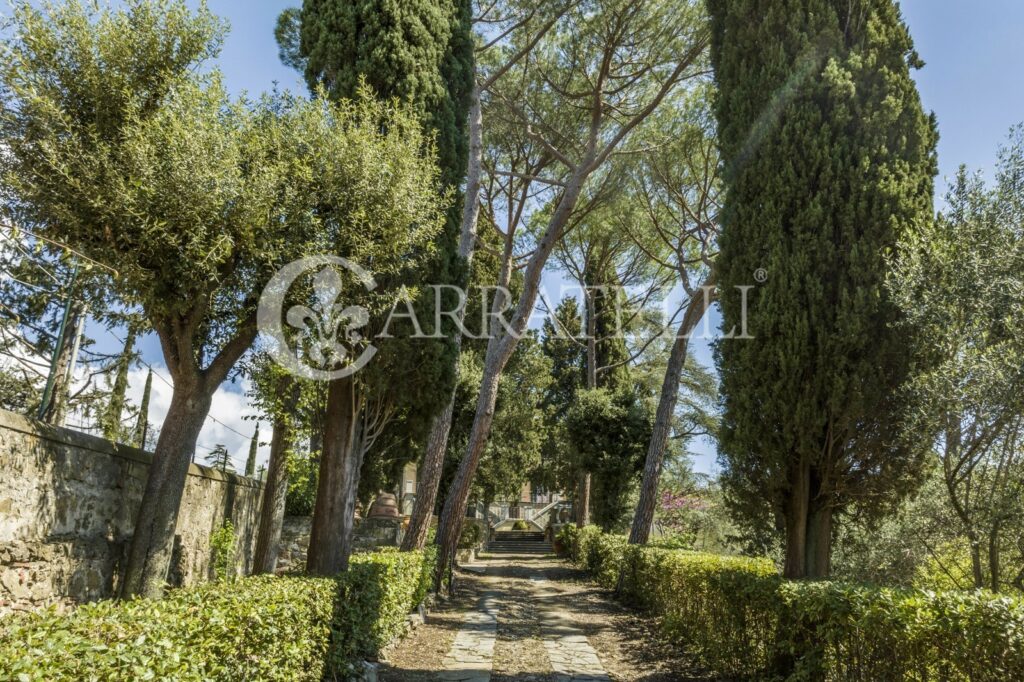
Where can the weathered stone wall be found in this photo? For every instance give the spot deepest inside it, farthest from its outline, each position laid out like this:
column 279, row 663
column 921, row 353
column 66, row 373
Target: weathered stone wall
column 68, row 503
column 291, row 555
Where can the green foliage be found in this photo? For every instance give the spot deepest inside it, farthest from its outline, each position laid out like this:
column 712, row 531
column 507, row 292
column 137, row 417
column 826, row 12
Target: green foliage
column 110, row 420
column 518, row 431
column 599, row 553
column 118, row 142
column 220, row 459
column 609, row 432
column 375, row 597
column 303, row 471
column 263, row 628
column 250, row 460
column 141, row 432
column 691, row 513
column 222, row 551
column 960, row 283
column 829, row 161
column 419, row 53
column 520, row 525
column 743, row 620
column 561, row 341
column 288, row 628
column 918, row 546
column 471, row 535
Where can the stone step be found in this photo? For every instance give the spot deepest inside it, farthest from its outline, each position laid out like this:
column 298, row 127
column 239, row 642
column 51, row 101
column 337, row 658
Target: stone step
column 498, row 547
column 519, row 535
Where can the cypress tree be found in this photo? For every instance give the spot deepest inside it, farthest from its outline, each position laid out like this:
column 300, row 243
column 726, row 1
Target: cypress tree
column 561, row 335
column 829, row 162
column 142, row 426
column 611, row 355
column 418, row 51
column 421, row 53
column 111, row 420
column 608, row 477
column 250, row 461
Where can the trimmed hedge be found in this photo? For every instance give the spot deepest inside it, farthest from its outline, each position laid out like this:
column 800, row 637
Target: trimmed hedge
column 741, row 619
column 375, row 598
column 290, row 628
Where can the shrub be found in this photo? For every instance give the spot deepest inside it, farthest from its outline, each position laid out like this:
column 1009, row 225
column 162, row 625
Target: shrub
column 741, row 619
column 263, row 628
column 260, row 628
column 470, row 536
column 520, row 525
column 375, row 598
column 222, row 550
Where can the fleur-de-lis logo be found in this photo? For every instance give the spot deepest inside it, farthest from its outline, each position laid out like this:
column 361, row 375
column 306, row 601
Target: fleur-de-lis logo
column 329, row 328
column 329, row 342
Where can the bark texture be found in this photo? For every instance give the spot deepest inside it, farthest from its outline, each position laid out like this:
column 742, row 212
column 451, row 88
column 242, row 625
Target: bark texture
column 149, row 559
column 454, row 511
column 644, row 517
column 583, row 500
column 330, row 541
column 275, row 490
column 429, row 475
column 808, row 527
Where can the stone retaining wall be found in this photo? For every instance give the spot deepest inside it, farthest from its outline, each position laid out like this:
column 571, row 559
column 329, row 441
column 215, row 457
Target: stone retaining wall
column 291, row 554
column 68, row 503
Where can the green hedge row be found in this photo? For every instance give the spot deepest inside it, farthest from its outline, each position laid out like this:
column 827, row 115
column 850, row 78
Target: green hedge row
column 741, row 619
column 290, row 628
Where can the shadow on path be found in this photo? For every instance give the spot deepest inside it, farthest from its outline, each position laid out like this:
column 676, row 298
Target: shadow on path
column 552, row 625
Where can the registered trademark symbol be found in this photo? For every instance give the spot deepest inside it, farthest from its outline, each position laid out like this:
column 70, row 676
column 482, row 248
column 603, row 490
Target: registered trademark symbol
column 761, row 275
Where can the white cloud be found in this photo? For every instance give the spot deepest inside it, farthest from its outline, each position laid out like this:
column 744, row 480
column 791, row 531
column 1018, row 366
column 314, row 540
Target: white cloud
column 230, row 407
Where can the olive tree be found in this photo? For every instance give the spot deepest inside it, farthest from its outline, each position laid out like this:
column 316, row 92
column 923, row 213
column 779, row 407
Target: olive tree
column 118, row 144
column 960, row 283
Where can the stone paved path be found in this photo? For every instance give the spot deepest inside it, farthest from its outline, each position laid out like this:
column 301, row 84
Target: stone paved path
column 533, row 620
column 571, row 657
column 473, row 649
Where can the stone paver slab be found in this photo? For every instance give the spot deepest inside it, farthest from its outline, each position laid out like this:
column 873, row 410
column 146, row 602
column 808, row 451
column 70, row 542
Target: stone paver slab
column 470, row 658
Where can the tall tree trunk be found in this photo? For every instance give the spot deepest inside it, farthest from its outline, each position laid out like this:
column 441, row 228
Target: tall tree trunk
column 429, row 475
column 454, row 512
column 583, row 500
column 499, row 350
column 149, row 559
column 808, row 527
column 819, row 542
column 585, row 478
column 55, row 411
column 644, row 517
column 591, row 315
column 330, row 540
column 275, row 491
column 994, row 568
column 977, row 573
column 797, row 512
column 437, row 444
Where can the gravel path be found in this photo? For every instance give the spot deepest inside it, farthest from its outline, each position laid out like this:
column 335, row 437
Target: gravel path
column 526, row 618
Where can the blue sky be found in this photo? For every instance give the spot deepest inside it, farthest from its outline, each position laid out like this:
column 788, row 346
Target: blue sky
column 975, row 61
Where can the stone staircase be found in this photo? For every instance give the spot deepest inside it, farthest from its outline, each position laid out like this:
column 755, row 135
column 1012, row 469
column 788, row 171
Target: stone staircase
column 519, row 542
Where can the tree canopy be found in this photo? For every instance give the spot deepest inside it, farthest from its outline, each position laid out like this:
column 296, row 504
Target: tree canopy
column 829, row 160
